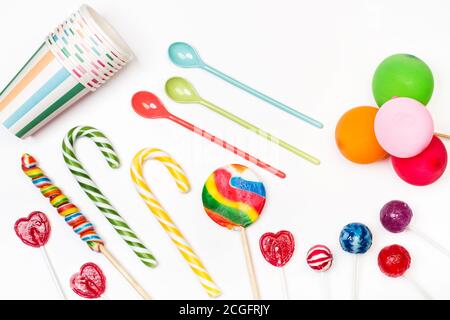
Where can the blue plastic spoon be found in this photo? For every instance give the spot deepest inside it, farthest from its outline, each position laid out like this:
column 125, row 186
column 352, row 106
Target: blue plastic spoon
column 185, row 56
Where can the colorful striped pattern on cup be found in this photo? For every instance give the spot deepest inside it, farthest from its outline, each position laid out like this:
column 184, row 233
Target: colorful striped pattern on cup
column 42, row 89
column 78, row 57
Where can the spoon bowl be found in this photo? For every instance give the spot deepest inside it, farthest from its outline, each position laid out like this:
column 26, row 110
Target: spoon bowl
column 147, row 105
column 185, row 56
column 182, row 91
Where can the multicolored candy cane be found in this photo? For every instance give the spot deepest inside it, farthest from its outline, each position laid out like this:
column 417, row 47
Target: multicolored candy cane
column 94, row 193
column 73, row 216
column 163, row 217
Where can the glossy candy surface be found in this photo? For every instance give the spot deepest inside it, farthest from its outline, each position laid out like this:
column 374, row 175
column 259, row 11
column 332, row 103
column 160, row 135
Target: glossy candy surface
column 90, row 282
column 277, row 248
column 394, row 260
column 355, row 238
column 33, row 230
column 233, row 196
column 395, row 216
column 319, row 258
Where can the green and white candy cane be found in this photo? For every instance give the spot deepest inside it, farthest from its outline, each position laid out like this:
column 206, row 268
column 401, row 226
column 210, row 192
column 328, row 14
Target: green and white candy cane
column 93, row 192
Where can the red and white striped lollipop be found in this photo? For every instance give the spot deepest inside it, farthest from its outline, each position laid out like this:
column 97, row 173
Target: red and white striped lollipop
column 319, row 258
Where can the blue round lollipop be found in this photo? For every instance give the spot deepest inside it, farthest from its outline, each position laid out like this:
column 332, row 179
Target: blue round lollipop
column 355, row 238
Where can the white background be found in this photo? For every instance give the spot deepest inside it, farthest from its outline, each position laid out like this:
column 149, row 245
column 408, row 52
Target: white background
column 317, row 56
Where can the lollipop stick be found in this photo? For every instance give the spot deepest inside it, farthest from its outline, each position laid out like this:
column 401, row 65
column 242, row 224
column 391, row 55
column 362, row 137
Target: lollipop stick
column 284, row 285
column 431, row 241
column 419, row 288
column 53, row 274
column 250, row 267
column 325, row 286
column 442, row 135
column 124, row 273
column 355, row 278
column 262, row 96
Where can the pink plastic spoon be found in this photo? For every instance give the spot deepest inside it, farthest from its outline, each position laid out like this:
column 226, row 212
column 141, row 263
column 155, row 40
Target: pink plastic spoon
column 148, row 105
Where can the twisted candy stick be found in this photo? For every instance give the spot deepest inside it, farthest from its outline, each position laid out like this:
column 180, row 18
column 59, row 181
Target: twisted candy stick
column 94, row 193
column 61, row 203
column 163, row 217
column 73, row 216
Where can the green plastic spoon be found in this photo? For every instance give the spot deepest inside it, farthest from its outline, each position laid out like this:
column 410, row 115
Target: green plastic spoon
column 182, row 91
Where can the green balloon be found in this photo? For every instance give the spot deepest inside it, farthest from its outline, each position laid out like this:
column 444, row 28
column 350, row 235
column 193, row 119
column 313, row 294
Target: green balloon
column 402, row 75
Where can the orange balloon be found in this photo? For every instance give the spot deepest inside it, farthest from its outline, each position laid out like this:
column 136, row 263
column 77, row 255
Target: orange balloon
column 355, row 136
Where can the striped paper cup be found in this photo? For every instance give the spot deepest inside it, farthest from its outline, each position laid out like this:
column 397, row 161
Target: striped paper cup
column 74, row 61
column 67, row 60
column 78, row 57
column 81, row 47
column 105, row 33
column 79, row 42
column 79, row 30
column 42, row 89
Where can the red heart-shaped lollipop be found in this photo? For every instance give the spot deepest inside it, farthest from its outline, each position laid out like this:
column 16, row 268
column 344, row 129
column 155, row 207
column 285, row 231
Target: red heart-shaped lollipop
column 34, row 230
column 90, row 282
column 278, row 248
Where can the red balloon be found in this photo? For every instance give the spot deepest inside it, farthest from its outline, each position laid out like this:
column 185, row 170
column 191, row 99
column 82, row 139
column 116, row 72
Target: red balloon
column 394, row 260
column 426, row 167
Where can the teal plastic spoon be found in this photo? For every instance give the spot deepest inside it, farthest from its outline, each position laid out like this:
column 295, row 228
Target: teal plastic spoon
column 185, row 56
column 182, row 91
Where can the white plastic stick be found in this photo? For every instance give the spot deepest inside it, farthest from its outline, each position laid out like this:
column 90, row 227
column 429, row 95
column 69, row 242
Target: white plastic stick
column 431, row 241
column 53, row 274
column 284, row 286
column 355, row 278
column 326, row 290
column 419, row 288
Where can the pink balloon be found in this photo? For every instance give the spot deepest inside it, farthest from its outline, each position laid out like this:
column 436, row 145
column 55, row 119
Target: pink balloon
column 404, row 127
column 426, row 167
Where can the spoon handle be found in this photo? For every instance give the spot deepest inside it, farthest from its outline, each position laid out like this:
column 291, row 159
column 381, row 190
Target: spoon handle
column 262, row 96
column 260, row 132
column 228, row 146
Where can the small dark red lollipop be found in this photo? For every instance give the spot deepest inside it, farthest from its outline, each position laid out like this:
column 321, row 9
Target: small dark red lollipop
column 90, row 282
column 277, row 248
column 33, row 230
column 394, row 260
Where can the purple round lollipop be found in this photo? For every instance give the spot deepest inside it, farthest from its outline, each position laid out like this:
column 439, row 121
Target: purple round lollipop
column 395, row 216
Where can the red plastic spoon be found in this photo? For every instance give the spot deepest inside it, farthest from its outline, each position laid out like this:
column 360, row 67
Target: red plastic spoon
column 148, row 105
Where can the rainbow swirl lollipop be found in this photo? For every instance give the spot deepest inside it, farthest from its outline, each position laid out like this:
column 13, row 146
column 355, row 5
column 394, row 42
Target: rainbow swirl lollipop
column 233, row 196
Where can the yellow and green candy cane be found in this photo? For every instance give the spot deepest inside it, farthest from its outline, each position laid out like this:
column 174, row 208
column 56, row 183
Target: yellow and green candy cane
column 163, row 217
column 73, row 216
